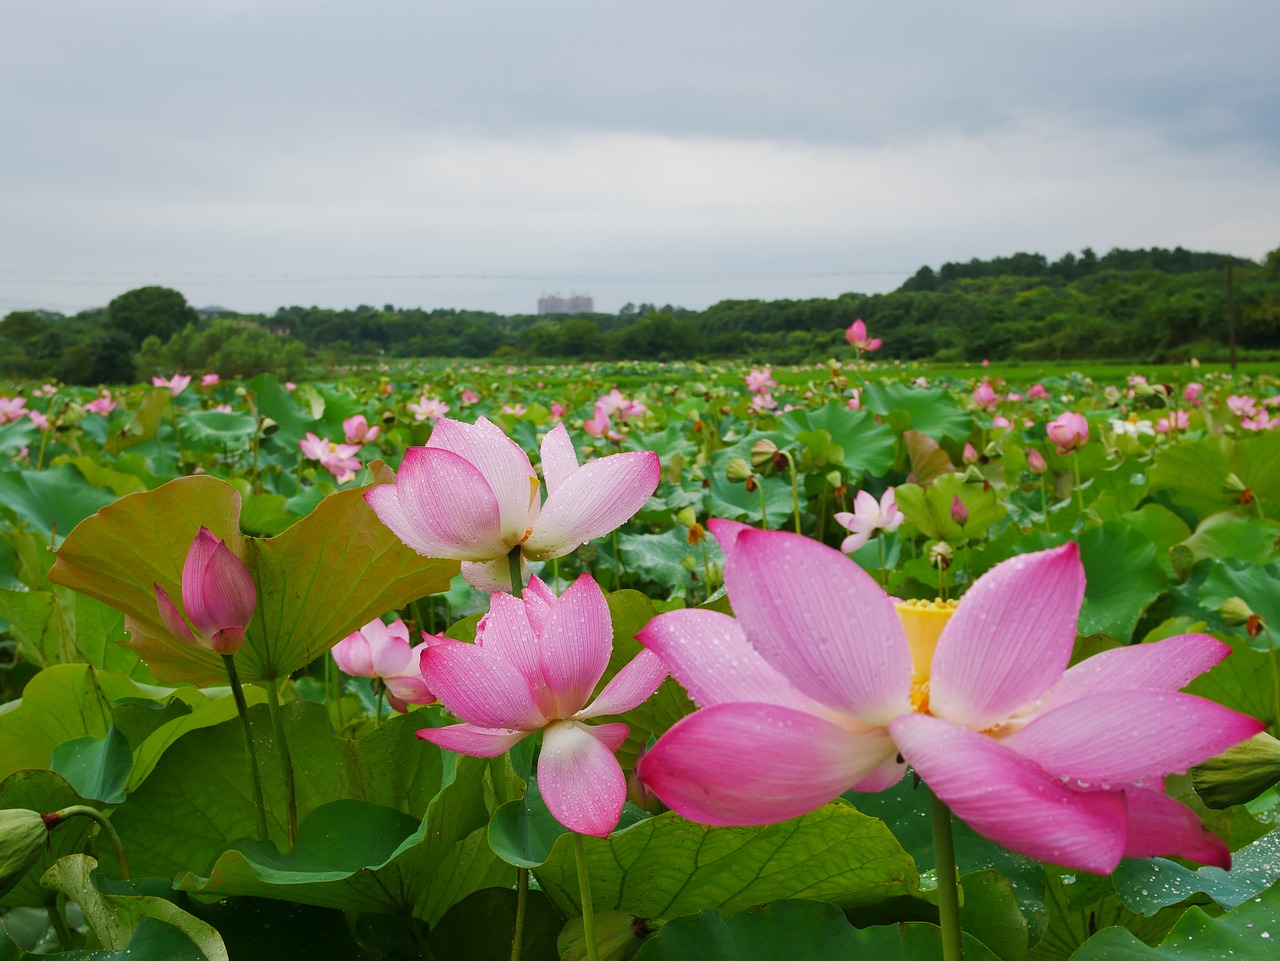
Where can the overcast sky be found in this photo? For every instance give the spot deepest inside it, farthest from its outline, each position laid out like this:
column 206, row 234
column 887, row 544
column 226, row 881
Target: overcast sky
column 480, row 153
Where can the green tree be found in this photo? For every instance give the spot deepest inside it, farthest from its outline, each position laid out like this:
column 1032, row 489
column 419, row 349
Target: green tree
column 146, row 311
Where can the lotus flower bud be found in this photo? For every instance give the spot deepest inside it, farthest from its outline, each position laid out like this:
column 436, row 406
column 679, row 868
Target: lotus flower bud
column 762, row 454
column 218, row 596
column 959, row 513
column 23, row 836
column 1235, row 611
column 970, row 454
column 738, row 471
column 1240, row 773
column 1036, row 462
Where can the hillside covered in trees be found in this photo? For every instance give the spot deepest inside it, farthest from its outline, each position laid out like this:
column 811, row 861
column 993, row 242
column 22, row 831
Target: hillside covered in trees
column 1152, row 305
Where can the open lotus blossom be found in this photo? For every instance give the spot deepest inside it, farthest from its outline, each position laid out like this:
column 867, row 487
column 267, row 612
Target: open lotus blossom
column 356, row 430
column 760, row 381
column 1037, row 392
column 218, row 596
column 1260, row 421
column 427, row 408
column 1191, row 394
column 823, row 683
column 40, row 419
column 469, row 397
column 338, row 459
column 857, row 337
column 382, row 651
column 534, row 665
column 1069, row 431
column 763, row 403
column 985, row 396
column 1175, row 421
column 869, row 515
column 210, row 380
column 102, row 406
column 11, row 408
column 1242, row 405
column 471, row 494
column 176, row 384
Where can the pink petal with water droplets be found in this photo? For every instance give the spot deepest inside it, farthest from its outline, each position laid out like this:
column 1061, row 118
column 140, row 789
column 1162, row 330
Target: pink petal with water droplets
column 630, row 687
column 820, row 621
column 217, row 589
column 580, row 779
column 595, row 499
column 739, row 764
column 575, row 645
column 441, row 505
column 1010, row 639
column 502, row 463
column 172, row 618
column 726, row 532
column 1119, row 736
column 1159, row 826
column 1006, row 797
column 559, row 459
column 708, row 654
column 505, row 632
column 481, row 688
column 473, row 741
column 1167, row 665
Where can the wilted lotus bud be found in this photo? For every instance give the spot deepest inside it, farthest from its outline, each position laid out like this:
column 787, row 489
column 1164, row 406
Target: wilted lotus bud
column 1036, row 462
column 738, row 471
column 1240, row 773
column 762, row 454
column 696, row 533
column 959, row 513
column 1235, row 611
column 940, row 554
column 23, row 835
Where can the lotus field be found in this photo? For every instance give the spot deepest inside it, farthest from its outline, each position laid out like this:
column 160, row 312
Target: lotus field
column 655, row 661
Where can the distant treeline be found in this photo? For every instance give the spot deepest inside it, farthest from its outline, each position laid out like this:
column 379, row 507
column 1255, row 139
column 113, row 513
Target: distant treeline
column 1154, row 305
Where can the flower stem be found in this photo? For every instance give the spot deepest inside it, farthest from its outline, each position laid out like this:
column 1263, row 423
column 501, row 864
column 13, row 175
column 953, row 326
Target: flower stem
column 286, row 762
column 522, row 901
column 93, row 814
column 255, row 776
column 517, row 578
column 944, row 859
column 1044, row 504
column 795, row 490
column 1075, row 462
column 884, row 573
column 764, row 507
column 54, row 910
column 584, row 889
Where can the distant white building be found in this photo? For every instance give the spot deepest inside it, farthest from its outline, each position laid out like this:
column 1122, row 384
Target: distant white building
column 573, row 304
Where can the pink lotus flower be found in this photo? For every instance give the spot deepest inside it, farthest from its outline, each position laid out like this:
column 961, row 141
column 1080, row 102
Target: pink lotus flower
column 290, row 386
column 356, row 430
column 760, row 381
column 218, row 596
column 1242, row 406
column 427, row 408
column 869, row 516
column 11, row 408
column 38, row 418
column 469, row 397
column 763, row 403
column 534, row 665
column 515, row 410
column 471, row 494
column 210, row 380
column 855, row 399
column 45, row 390
column 1070, row 431
column 611, row 403
column 1013, row 396
column 221, row 408
column 338, row 459
column 985, row 396
column 1001, row 421
column 598, row 424
column 1037, row 392
column 857, row 337
column 1256, row 422
column 1178, row 420
column 832, row 684
column 382, row 651
column 102, row 406
column 1036, row 462
column 557, row 410
column 176, row 384
column 1192, row 392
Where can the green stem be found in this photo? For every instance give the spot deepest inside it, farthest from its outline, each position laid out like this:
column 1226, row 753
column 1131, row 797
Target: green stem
column 255, row 776
column 522, row 901
column 584, row 889
column 177, row 436
column 1044, row 504
column 617, row 564
column 944, row 859
column 1075, row 462
column 93, row 814
column 517, row 576
column 764, row 508
column 795, row 492
column 44, row 439
column 884, row 573
column 286, row 762
column 379, row 698
column 59, row 923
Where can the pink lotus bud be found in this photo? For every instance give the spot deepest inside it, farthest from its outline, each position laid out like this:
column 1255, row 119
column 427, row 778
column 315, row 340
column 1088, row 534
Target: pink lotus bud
column 969, row 455
column 1036, row 462
column 218, row 595
column 959, row 513
column 1069, row 431
column 1037, row 392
